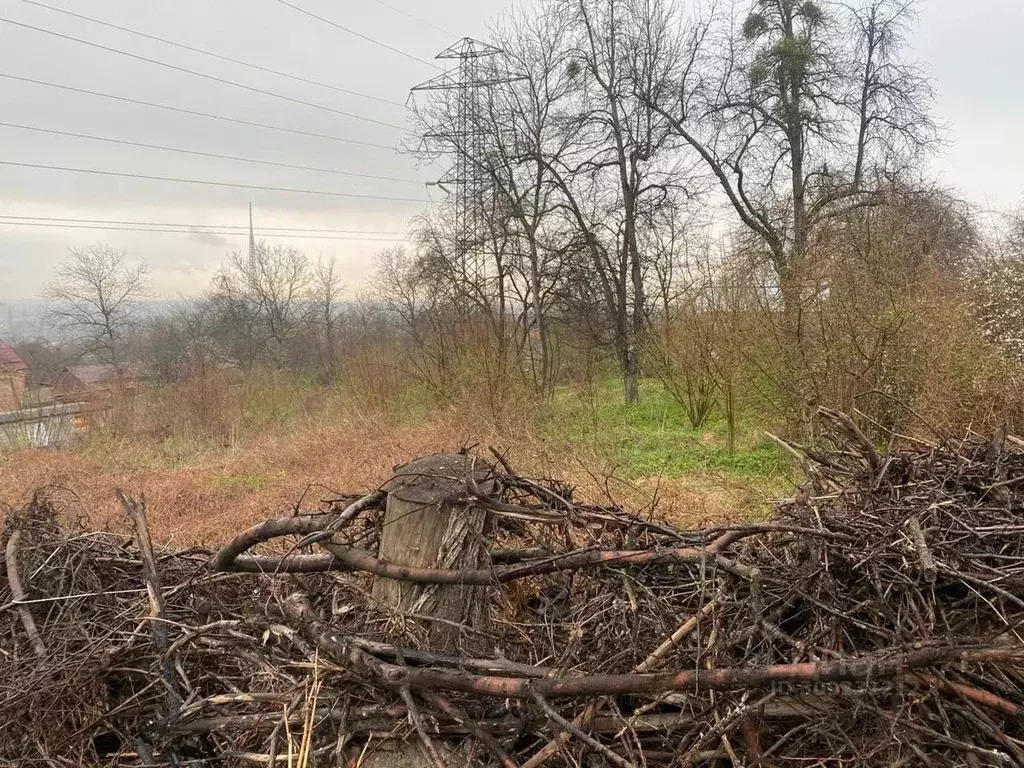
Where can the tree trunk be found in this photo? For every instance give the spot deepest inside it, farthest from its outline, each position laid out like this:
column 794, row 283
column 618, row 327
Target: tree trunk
column 542, row 321
column 631, row 374
column 798, row 391
column 425, row 525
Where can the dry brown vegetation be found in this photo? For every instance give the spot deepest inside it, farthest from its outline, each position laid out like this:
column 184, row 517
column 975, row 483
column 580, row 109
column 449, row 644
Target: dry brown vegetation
column 203, row 480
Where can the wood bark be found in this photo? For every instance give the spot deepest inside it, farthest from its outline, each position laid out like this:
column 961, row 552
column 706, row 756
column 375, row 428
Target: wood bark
column 430, row 522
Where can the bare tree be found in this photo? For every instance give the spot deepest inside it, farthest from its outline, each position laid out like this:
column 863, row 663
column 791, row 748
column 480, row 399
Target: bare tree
column 181, row 342
column 802, row 112
column 273, row 307
column 96, row 293
column 620, row 172
column 325, row 295
column 576, row 164
column 262, row 300
column 414, row 303
column 523, row 118
column 474, row 247
column 805, row 112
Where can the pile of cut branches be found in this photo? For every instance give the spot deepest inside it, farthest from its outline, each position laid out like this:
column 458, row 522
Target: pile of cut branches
column 874, row 620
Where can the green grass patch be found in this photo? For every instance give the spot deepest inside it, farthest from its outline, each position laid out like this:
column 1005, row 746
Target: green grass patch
column 654, row 437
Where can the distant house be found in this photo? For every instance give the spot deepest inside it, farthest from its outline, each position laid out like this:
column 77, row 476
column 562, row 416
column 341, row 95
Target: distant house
column 12, row 378
column 93, row 381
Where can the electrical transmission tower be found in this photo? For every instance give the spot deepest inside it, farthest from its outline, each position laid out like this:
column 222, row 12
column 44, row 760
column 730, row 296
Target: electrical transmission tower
column 474, row 73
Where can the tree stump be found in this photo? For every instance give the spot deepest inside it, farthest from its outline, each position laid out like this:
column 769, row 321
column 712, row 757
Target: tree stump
column 424, row 527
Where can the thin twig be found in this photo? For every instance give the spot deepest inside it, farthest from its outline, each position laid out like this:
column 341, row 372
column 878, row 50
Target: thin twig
column 586, row 738
column 417, row 721
column 459, row 716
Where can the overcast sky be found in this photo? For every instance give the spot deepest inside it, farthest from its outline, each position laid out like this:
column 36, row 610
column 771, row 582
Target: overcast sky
column 971, row 49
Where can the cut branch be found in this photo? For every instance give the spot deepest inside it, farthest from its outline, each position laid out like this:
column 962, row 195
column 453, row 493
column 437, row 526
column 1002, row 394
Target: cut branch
column 18, row 593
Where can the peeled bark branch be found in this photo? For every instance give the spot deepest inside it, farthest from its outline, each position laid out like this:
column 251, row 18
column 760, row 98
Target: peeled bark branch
column 880, row 667
column 18, row 593
column 715, row 679
column 924, row 554
column 136, row 512
column 342, row 558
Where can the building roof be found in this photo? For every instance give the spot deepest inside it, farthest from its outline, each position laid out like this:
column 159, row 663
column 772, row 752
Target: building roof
column 9, row 360
column 93, row 374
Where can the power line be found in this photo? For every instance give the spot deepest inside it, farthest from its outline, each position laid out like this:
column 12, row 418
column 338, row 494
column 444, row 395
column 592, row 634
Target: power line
column 214, row 78
column 258, row 233
column 209, row 183
column 343, row 28
column 242, row 228
column 408, row 15
column 199, row 153
column 183, row 46
column 195, row 113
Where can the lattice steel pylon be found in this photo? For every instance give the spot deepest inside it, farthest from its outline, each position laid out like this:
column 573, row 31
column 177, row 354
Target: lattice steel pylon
column 252, row 244
column 467, row 136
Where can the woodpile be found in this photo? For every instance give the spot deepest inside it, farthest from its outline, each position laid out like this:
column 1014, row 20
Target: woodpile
column 874, row 620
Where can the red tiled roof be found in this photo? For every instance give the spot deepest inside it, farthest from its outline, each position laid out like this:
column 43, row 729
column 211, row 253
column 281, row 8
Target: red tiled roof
column 9, row 360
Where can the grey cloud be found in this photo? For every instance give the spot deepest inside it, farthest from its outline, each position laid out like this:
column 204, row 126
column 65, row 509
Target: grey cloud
column 205, row 238
column 266, row 33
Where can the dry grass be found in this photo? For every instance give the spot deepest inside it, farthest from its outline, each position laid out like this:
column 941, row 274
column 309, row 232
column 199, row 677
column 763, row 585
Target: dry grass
column 208, row 492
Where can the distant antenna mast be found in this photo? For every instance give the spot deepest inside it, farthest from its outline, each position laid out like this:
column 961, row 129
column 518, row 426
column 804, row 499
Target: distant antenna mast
column 468, row 175
column 252, row 242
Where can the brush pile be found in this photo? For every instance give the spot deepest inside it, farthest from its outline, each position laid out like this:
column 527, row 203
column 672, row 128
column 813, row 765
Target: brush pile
column 875, row 620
